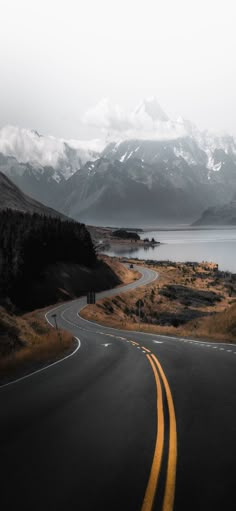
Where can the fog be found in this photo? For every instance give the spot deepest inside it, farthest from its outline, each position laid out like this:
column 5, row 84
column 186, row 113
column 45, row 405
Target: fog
column 63, row 62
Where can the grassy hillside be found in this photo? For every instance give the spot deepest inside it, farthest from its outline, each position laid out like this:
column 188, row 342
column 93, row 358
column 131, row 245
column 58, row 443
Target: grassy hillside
column 192, row 300
column 43, row 260
column 26, row 340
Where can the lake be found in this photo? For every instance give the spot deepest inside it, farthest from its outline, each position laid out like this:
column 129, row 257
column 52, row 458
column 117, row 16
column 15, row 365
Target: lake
column 215, row 245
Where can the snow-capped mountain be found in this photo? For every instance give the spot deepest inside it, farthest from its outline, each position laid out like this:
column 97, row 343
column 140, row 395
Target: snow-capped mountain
column 152, row 109
column 195, row 148
column 156, row 170
column 139, row 180
column 40, row 165
column 29, row 147
column 147, row 189
column 40, row 183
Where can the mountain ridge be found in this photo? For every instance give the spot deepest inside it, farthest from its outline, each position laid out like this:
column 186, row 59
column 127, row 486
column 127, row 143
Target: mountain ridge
column 133, row 179
column 224, row 215
column 11, row 197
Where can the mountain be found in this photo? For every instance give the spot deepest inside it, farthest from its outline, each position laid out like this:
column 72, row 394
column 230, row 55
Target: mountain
column 195, row 148
column 41, row 183
column 142, row 181
column 38, row 164
column 160, row 171
column 219, row 215
column 40, row 151
column 152, row 109
column 154, row 151
column 11, row 197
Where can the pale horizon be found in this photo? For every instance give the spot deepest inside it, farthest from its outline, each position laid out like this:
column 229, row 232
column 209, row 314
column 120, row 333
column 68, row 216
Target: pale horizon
column 60, row 59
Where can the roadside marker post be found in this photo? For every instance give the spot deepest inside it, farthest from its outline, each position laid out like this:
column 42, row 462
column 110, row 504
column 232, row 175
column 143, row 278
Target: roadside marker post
column 139, row 312
column 54, row 316
column 91, row 297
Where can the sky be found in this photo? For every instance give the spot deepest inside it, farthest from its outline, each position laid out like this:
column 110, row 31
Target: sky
column 62, row 61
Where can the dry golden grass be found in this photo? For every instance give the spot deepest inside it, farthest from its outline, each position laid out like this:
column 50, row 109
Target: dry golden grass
column 221, row 326
column 125, row 274
column 31, row 341
column 41, row 344
column 122, row 311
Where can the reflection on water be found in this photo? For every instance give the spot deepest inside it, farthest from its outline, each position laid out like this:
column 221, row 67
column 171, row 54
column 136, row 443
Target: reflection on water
column 122, row 250
column 218, row 246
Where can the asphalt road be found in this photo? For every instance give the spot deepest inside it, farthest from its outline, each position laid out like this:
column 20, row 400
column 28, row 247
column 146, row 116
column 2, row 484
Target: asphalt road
column 128, row 422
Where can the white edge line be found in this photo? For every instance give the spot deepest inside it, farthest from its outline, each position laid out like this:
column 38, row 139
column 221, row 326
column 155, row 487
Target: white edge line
column 138, row 331
column 62, row 359
column 49, row 365
column 152, row 334
column 43, row 368
column 171, row 337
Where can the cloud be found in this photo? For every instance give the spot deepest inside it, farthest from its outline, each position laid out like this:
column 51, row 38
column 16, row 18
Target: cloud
column 146, row 121
column 95, row 145
column 107, row 116
column 28, row 146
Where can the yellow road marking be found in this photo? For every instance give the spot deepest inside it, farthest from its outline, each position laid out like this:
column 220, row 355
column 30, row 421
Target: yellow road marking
column 148, row 351
column 169, row 494
column 157, row 457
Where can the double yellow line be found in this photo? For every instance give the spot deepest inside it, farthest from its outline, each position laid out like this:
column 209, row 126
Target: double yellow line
column 169, row 492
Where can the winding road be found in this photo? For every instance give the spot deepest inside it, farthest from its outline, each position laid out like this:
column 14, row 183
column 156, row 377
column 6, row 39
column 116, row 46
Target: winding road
column 127, row 422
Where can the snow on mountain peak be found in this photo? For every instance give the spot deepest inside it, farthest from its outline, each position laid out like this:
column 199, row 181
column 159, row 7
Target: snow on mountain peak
column 151, row 107
column 145, row 122
column 27, row 146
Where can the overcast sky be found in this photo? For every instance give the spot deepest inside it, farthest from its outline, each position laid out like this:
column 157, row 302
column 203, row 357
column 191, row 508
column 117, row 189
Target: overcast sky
column 60, row 58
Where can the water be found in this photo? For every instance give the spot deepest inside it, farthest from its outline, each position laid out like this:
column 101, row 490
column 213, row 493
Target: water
column 216, row 245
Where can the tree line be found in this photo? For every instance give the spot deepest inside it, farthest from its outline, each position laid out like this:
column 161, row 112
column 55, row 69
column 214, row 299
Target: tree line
column 31, row 242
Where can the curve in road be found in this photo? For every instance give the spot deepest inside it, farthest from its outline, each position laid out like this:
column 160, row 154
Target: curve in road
column 99, row 431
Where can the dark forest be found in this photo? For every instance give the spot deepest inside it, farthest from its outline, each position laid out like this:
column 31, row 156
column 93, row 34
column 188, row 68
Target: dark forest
column 31, row 242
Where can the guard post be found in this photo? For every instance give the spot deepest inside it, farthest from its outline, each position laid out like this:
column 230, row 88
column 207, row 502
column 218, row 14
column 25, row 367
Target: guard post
column 91, row 297
column 54, row 316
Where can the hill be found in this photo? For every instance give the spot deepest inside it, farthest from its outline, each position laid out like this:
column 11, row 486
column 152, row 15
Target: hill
column 11, row 197
column 45, row 259
column 219, row 215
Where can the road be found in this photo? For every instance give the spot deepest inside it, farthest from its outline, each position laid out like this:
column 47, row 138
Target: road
column 128, row 422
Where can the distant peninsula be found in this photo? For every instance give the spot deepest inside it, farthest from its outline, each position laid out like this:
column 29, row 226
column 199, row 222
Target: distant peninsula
column 218, row 215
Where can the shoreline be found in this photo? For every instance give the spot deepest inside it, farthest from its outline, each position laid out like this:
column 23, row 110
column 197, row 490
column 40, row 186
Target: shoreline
column 188, row 300
column 107, row 231
column 191, row 228
column 128, row 243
